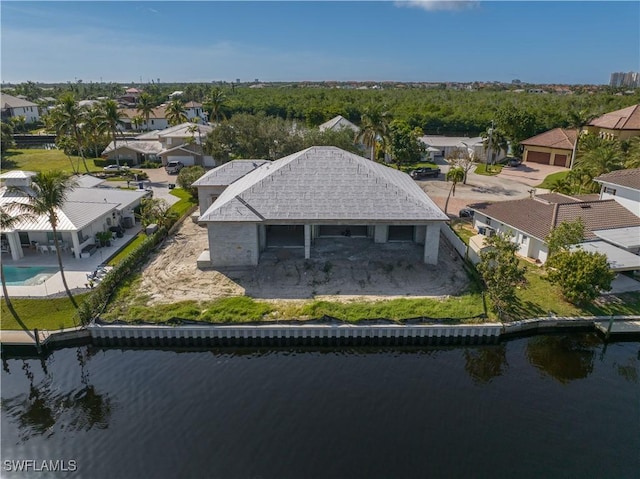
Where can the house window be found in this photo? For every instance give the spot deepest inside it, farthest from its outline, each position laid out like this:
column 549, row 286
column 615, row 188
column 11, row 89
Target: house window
column 488, row 221
column 524, row 239
column 152, row 122
column 610, row 191
column 50, row 236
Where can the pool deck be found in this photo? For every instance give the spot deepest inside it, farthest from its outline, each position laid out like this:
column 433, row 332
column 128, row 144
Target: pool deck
column 75, row 270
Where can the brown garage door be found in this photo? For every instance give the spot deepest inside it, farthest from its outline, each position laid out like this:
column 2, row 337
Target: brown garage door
column 538, row 157
column 561, row 160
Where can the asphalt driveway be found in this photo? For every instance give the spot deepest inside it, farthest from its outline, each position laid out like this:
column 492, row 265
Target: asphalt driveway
column 531, row 174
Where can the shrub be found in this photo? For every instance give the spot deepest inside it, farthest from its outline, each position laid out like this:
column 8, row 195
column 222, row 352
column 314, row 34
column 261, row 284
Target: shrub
column 187, row 176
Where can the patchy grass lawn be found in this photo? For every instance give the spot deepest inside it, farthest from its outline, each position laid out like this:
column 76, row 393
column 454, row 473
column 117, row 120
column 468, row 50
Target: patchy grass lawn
column 46, row 313
column 550, row 180
column 540, row 297
column 488, row 170
column 464, row 229
column 33, row 159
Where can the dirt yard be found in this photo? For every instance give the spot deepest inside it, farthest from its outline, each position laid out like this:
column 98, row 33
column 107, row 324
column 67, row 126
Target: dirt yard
column 340, row 269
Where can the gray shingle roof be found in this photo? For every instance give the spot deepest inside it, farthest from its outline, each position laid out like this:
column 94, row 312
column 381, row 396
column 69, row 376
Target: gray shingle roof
column 10, row 101
column 141, row 146
column 229, row 172
column 324, row 184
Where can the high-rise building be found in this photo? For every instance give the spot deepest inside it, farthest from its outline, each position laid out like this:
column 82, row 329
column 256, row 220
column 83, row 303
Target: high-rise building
column 622, row 79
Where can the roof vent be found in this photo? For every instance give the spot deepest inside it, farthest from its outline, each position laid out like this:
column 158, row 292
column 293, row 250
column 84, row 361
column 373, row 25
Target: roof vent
column 585, row 206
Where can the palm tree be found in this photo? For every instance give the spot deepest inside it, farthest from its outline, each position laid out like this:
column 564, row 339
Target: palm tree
column 67, row 118
column 578, row 119
column 214, row 102
column 454, row 175
column 137, row 121
column 7, row 222
column 374, row 128
column 109, row 121
column 49, row 195
column 145, row 107
column 494, row 142
column 175, row 112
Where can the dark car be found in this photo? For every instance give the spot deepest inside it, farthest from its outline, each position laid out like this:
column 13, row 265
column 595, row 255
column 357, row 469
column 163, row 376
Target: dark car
column 513, row 162
column 466, row 213
column 421, row 173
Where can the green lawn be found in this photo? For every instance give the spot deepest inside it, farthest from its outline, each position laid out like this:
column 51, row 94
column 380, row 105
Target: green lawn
column 464, row 229
column 186, row 201
column 46, row 313
column 550, row 180
column 488, row 170
column 42, row 160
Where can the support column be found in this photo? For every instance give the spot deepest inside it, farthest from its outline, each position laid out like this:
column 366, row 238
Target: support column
column 432, row 243
column 380, row 233
column 15, row 246
column 307, row 241
column 76, row 244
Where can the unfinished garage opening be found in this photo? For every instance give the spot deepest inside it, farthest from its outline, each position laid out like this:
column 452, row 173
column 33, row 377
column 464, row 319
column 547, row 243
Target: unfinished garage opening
column 354, row 231
column 401, row 233
column 285, row 236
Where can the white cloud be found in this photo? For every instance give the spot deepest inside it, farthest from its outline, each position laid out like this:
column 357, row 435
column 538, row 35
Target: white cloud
column 433, row 5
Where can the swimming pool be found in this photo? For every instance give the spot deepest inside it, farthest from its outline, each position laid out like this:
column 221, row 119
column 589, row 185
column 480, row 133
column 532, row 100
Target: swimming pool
column 28, row 275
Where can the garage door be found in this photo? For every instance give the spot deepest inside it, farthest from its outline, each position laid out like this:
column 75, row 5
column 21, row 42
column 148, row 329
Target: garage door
column 401, row 233
column 343, row 230
column 282, row 236
column 538, row 157
column 561, row 160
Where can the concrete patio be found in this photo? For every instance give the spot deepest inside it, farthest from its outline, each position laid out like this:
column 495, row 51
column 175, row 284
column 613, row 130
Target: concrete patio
column 75, row 270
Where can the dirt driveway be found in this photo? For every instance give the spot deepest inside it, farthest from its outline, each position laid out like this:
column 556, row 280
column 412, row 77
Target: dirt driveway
column 340, row 269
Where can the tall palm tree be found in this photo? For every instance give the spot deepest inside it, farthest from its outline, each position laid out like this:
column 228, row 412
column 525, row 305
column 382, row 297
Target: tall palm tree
column 578, row 119
column 7, row 221
column 109, row 121
column 49, row 195
column 374, row 128
column 175, row 112
column 145, row 107
column 67, row 118
column 214, row 103
column 494, row 142
column 454, row 175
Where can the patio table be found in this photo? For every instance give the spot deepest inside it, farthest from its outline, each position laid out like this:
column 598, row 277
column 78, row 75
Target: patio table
column 43, row 248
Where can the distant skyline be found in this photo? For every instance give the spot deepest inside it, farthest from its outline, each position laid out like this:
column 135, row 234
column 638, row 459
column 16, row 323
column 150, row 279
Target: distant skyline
column 405, row 41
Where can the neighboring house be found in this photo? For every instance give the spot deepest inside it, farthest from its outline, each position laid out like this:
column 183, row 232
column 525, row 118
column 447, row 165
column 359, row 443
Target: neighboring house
column 444, row 146
column 214, row 182
column 177, row 143
column 185, row 143
column 620, row 124
column 530, row 220
column 12, row 107
column 89, row 209
column 157, row 119
column 553, row 147
column 339, row 123
column 193, row 109
column 132, row 152
column 622, row 186
column 318, row 193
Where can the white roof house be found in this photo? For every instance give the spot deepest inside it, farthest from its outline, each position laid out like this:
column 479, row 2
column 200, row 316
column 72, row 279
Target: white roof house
column 86, row 211
column 338, row 123
column 318, row 192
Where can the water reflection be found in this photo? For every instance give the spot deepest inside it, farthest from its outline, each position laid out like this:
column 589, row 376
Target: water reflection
column 37, row 412
column 484, row 364
column 564, row 358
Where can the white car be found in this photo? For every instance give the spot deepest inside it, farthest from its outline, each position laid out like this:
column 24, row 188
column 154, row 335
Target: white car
column 111, row 168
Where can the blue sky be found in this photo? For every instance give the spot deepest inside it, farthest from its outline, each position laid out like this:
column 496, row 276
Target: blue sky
column 538, row 42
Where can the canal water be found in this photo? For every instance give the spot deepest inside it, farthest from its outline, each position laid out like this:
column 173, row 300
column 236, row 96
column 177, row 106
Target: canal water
column 557, row 406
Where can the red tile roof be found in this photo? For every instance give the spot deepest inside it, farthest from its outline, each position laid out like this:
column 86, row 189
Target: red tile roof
column 625, row 119
column 561, row 138
column 537, row 217
column 629, row 178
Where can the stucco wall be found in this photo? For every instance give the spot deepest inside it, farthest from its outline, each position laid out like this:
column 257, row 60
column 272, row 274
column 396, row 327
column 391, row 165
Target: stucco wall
column 205, row 194
column 233, row 244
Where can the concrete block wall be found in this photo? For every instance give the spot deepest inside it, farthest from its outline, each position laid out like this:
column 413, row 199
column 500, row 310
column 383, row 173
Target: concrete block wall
column 233, row 244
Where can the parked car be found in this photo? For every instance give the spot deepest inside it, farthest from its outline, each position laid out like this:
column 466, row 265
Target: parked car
column 513, row 161
column 115, row 168
column 421, row 173
column 466, row 213
column 174, row 167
